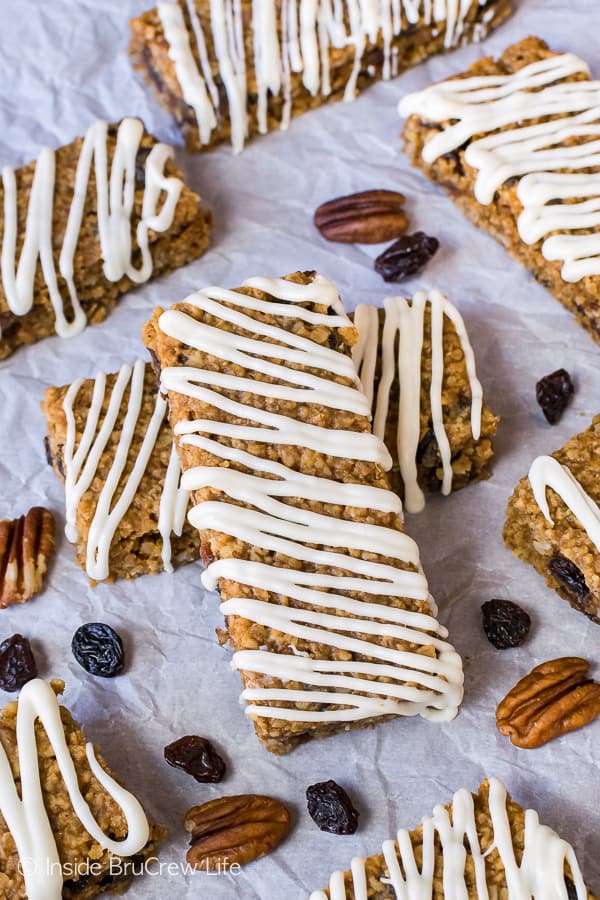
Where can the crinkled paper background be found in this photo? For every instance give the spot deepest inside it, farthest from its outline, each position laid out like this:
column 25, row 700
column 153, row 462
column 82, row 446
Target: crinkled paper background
column 62, row 64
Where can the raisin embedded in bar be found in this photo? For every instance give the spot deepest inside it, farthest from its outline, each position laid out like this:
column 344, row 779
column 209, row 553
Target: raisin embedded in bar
column 553, row 520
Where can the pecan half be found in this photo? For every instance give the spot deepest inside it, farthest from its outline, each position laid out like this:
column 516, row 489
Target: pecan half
column 26, row 545
column 368, row 217
column 236, row 829
column 555, row 698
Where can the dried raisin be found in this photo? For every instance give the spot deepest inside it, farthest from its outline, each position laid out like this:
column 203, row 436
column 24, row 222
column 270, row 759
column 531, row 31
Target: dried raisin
column 553, row 392
column 505, row 623
column 17, row 663
column 406, row 256
column 330, row 807
column 571, row 578
column 196, row 756
column 98, row 649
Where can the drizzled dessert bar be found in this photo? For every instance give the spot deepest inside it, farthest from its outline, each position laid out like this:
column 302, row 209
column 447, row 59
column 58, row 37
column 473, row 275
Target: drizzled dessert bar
column 513, row 142
column 67, row 828
column 230, row 70
column 84, row 223
column 417, row 367
column 553, row 520
column 326, row 604
column 110, row 443
column 481, row 845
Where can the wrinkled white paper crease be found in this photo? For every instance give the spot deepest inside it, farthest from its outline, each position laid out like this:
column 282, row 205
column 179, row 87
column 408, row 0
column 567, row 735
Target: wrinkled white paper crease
column 64, row 64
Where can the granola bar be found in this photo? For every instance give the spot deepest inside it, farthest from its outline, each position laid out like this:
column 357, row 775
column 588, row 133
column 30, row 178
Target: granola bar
column 326, row 605
column 229, row 71
column 437, row 428
column 110, row 443
column 480, row 845
column 512, row 142
column 78, row 833
column 553, row 520
column 66, row 256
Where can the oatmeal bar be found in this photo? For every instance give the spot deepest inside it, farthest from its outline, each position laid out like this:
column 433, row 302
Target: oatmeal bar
column 437, row 428
column 512, row 142
column 326, row 606
column 83, row 224
column 553, row 520
column 76, row 833
column 110, row 443
column 480, row 845
column 229, row 71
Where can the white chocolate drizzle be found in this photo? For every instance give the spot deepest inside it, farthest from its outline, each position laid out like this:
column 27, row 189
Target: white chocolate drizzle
column 557, row 205
column 26, row 816
column 289, row 37
column 540, row 876
column 114, row 211
column 81, row 464
column 546, row 472
column 427, row 685
column 405, row 321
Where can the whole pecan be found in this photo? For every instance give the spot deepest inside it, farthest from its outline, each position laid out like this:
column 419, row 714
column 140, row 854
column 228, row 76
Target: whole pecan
column 555, row 698
column 235, row 829
column 26, row 545
column 368, row 217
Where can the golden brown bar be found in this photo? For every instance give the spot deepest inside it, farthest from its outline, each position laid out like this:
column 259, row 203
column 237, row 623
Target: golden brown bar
column 71, row 263
column 538, row 216
column 201, row 95
column 276, row 448
column 497, row 823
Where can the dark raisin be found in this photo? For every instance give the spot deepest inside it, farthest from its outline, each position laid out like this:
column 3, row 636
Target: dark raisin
column 99, row 649
column 196, row 756
column 553, row 392
column 17, row 664
column 428, row 454
column 406, row 256
column 140, row 166
column 505, row 623
column 570, row 577
column 571, row 889
column 330, row 807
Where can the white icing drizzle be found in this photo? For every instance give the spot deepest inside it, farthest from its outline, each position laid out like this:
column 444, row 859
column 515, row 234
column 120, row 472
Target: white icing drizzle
column 265, row 520
column 81, row 466
column 289, row 36
column 546, row 472
column 114, row 210
column 540, row 876
column 26, row 817
column 406, row 321
column 534, row 154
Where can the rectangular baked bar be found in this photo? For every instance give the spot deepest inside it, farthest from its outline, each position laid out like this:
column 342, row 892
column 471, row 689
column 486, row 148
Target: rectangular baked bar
column 512, row 143
column 110, row 443
column 437, row 428
column 59, row 854
column 553, row 520
column 84, row 224
column 480, row 845
column 326, row 606
column 229, row 71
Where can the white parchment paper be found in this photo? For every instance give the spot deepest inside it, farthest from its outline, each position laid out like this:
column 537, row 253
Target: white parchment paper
column 62, row 64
